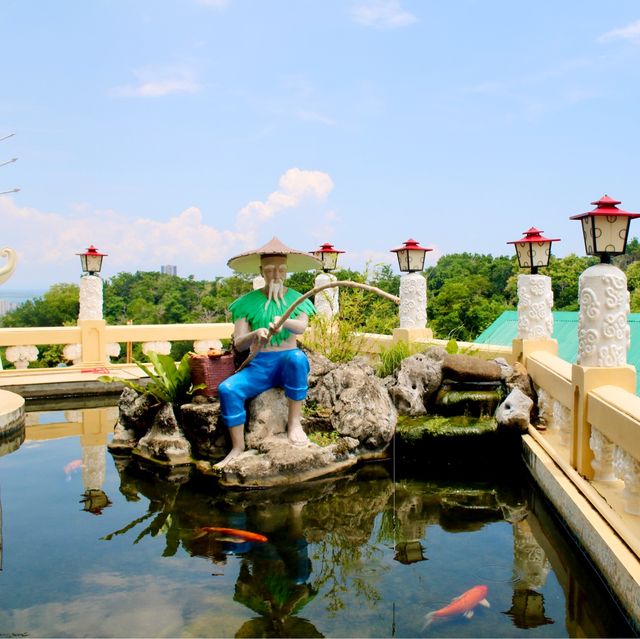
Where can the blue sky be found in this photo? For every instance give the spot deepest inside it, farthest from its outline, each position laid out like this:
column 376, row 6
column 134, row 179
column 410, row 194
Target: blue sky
column 187, row 131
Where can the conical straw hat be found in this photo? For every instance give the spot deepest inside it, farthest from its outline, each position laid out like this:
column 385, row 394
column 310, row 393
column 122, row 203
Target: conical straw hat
column 249, row 262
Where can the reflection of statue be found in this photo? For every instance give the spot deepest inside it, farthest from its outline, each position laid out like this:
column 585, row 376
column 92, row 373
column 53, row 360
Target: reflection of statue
column 273, row 581
column 280, row 362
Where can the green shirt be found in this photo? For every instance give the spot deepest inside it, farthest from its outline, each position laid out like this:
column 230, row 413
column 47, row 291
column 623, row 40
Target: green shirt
column 251, row 307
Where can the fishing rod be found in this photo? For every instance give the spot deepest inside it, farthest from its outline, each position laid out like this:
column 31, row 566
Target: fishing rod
column 278, row 325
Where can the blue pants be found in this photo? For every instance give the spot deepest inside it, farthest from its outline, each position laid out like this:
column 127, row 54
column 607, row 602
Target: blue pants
column 266, row 370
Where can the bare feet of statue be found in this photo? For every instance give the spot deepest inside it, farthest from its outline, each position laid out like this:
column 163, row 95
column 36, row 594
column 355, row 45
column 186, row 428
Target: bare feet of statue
column 296, row 434
column 236, row 433
column 233, row 453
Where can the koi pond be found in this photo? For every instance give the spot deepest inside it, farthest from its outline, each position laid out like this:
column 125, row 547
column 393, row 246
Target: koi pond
column 103, row 546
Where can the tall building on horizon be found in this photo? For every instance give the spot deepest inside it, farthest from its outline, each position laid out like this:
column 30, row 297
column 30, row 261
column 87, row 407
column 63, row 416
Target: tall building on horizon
column 169, row 269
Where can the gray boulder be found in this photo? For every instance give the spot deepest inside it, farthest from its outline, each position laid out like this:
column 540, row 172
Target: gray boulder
column 165, row 442
column 135, row 413
column 515, row 411
column 358, row 403
column 417, row 379
column 464, row 368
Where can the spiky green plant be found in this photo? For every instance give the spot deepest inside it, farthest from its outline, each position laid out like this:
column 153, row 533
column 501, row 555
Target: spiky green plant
column 168, row 382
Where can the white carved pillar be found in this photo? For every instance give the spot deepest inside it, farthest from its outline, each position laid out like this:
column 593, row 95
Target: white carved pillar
column 562, row 418
column 535, row 301
column 413, row 301
column 20, row 356
column 603, row 455
column 90, row 298
column 603, row 330
column 163, row 348
column 202, row 346
column 628, row 469
column 327, row 301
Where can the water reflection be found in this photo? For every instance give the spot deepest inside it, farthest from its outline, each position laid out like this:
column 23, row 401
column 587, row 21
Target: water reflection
column 339, row 550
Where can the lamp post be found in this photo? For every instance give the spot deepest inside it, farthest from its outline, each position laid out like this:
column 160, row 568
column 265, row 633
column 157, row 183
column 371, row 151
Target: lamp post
column 413, row 285
column 603, row 341
column 91, row 284
column 327, row 302
column 605, row 228
column 93, row 348
column 535, row 296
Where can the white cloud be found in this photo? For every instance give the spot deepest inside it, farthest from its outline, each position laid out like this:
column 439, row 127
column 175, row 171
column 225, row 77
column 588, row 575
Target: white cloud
column 629, row 32
column 382, row 14
column 140, row 243
column 143, row 243
column 158, row 83
column 295, row 186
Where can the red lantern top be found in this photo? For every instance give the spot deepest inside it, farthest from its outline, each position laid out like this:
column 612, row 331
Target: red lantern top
column 92, row 251
column 327, row 248
column 606, row 206
column 411, row 245
column 533, row 235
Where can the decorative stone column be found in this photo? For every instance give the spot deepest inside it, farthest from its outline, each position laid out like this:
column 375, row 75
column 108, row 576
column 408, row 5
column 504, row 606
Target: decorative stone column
column 535, row 301
column 413, row 301
column 327, row 301
column 90, row 298
column 603, row 330
column 603, row 340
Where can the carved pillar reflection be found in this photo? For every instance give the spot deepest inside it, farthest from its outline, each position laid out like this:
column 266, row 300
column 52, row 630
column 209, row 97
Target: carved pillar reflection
column 603, row 330
column 535, row 301
column 327, row 301
column 413, row 301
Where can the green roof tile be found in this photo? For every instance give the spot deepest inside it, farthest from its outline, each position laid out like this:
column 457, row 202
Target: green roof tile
column 565, row 330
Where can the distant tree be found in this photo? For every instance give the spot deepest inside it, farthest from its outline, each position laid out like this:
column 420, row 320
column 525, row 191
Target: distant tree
column 565, row 273
column 59, row 306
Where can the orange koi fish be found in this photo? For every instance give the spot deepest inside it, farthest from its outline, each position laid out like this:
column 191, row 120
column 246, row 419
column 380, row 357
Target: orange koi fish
column 234, row 532
column 462, row 605
column 72, row 465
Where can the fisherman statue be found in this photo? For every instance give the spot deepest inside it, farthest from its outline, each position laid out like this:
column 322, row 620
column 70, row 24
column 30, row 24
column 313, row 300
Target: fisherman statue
column 275, row 359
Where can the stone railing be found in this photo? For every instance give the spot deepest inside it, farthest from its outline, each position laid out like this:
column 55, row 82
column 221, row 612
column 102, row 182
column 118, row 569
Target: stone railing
column 592, row 416
column 90, row 343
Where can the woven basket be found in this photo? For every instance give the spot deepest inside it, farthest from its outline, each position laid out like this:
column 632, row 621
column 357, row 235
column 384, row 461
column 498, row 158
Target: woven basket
column 210, row 371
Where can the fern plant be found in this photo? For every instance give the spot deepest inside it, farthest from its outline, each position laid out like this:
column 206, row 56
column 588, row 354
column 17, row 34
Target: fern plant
column 168, row 383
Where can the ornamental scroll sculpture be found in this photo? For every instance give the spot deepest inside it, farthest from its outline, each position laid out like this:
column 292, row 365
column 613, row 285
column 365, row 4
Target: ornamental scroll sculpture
column 7, row 270
column 535, row 301
column 603, row 330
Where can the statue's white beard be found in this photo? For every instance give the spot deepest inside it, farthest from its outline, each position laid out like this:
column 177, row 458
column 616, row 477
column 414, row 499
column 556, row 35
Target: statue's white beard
column 276, row 292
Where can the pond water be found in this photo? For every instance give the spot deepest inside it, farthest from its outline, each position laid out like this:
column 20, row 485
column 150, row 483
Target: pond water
column 97, row 545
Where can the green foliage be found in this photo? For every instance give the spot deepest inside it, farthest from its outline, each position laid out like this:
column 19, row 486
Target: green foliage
column 564, row 274
column 334, row 338
column 467, row 292
column 324, row 439
column 391, row 357
column 168, row 382
column 59, row 306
